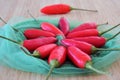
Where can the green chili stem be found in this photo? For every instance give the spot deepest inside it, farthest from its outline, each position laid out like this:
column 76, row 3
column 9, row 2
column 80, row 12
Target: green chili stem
column 53, row 64
column 10, row 25
column 102, row 24
column 89, row 66
column 3, row 20
column 10, row 40
column 50, row 71
column 113, row 36
column 109, row 29
column 83, row 9
column 32, row 16
column 102, row 49
column 25, row 51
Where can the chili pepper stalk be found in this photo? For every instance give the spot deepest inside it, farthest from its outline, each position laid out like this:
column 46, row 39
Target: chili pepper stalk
column 32, row 16
column 101, row 33
column 16, row 30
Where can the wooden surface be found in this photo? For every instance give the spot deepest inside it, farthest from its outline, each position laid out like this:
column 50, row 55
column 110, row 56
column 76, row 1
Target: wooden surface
column 108, row 10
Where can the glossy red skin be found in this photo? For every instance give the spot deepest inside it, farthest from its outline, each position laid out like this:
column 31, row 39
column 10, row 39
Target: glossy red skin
column 56, row 9
column 64, row 25
column 85, row 26
column 35, row 33
column 94, row 40
column 45, row 50
column 33, row 44
column 84, row 33
column 78, row 57
column 86, row 47
column 51, row 28
column 59, row 53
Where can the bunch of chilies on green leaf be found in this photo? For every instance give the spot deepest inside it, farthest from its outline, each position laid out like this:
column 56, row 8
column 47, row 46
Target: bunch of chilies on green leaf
column 56, row 43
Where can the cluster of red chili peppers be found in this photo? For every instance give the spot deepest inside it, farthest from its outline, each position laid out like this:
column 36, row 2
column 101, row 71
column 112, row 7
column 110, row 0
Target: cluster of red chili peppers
column 56, row 43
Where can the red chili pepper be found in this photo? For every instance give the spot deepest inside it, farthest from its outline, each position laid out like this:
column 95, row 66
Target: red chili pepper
column 33, row 44
column 51, row 28
column 35, row 33
column 88, row 32
column 87, row 25
column 43, row 51
column 57, row 58
column 84, row 46
column 84, row 33
column 64, row 25
column 81, row 59
column 60, row 9
column 95, row 40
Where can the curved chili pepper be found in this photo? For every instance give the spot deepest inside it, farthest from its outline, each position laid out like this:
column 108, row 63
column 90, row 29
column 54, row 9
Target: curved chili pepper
column 81, row 59
column 43, row 51
column 60, row 9
column 88, row 32
column 95, row 40
column 35, row 33
column 64, row 25
column 84, row 46
column 57, row 58
column 51, row 28
column 87, row 25
column 32, row 44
